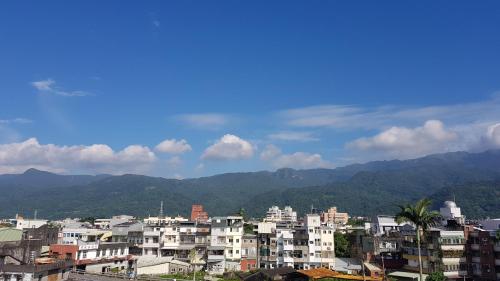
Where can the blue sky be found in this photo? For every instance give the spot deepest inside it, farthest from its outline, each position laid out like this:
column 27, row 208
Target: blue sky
column 96, row 86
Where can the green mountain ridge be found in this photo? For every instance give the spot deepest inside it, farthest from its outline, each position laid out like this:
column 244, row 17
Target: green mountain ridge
column 361, row 189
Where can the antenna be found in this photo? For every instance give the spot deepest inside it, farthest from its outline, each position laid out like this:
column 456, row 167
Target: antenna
column 161, row 210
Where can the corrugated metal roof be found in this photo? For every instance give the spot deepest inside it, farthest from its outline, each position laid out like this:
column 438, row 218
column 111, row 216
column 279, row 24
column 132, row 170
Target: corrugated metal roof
column 10, row 234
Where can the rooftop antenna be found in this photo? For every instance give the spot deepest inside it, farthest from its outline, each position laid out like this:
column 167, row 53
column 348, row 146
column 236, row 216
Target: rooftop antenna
column 161, row 210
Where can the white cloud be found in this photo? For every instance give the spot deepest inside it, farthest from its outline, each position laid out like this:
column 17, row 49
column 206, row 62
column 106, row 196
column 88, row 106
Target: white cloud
column 229, row 147
column 297, row 160
column 492, row 137
column 174, row 162
column 402, row 142
column 301, row 160
column 270, row 152
column 293, row 136
column 49, row 86
column 174, row 146
column 44, row 85
column 207, row 121
column 97, row 158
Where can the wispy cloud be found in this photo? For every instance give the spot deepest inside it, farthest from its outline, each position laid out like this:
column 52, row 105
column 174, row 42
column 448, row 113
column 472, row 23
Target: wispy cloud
column 293, row 136
column 16, row 121
column 207, row 121
column 49, row 86
column 298, row 160
column 355, row 117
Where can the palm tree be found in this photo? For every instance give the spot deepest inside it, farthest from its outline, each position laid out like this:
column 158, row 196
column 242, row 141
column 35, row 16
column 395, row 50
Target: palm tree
column 422, row 218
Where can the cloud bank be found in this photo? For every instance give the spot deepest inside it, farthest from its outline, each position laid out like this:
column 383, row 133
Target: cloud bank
column 96, row 158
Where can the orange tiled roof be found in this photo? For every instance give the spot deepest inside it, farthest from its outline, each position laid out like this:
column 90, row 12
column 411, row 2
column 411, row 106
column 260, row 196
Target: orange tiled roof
column 319, row 273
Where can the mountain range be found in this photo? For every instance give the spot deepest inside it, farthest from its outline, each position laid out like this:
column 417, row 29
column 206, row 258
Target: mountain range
column 472, row 179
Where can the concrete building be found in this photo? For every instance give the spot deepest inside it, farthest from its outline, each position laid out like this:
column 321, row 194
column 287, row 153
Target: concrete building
column 332, row 216
column 249, row 252
column 21, row 222
column 46, row 270
column 483, row 254
column 442, row 250
column 224, row 252
column 275, row 214
column 300, row 247
column 161, row 265
column 131, row 233
column 384, row 224
column 97, row 256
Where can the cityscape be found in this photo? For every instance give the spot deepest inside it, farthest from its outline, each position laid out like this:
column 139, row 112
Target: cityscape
column 249, row 140
column 325, row 243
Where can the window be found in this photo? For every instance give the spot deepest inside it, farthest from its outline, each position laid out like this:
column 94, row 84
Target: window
column 237, row 240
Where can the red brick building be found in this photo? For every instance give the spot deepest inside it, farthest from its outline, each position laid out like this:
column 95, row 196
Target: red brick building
column 198, row 214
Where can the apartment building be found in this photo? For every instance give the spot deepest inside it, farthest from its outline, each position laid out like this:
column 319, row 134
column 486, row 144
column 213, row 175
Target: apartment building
column 483, row 252
column 130, row 232
column 275, row 214
column 321, row 243
column 224, row 252
column 301, row 247
column 95, row 256
column 249, row 252
column 332, row 216
column 442, row 249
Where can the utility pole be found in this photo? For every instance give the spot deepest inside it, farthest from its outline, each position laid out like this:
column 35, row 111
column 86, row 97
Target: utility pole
column 363, row 269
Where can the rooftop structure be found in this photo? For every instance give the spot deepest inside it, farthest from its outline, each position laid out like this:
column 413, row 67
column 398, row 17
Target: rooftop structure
column 275, row 214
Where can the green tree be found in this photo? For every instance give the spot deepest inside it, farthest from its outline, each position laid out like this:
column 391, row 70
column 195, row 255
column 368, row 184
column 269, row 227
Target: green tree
column 342, row 246
column 436, row 276
column 422, row 218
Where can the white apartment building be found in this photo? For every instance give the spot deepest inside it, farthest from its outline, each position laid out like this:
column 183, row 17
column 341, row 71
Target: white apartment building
column 275, row 214
column 321, row 246
column 384, row 224
column 21, row 223
column 224, row 251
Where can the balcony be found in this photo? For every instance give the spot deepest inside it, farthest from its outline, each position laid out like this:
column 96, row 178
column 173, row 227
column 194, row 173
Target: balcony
column 152, row 233
column 476, row 259
column 215, row 258
column 453, row 247
column 474, row 246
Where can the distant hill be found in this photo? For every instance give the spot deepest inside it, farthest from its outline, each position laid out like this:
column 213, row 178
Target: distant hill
column 34, row 178
column 361, row 189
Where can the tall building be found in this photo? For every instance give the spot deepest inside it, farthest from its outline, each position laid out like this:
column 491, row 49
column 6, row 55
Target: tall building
column 332, row 216
column 198, row 214
column 299, row 246
column 442, row 248
column 483, row 251
column 224, row 251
